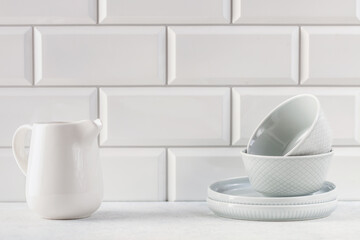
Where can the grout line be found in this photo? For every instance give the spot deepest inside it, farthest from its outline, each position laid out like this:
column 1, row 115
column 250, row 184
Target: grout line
column 160, row 147
column 231, row 116
column 97, row 12
column 98, row 110
column 33, row 56
column 299, row 57
column 351, row 200
column 98, row 102
column 231, row 12
column 181, row 86
column 231, row 9
column 172, row 146
column 166, row 176
column 186, row 146
column 209, row 146
column 178, row 24
column 166, row 56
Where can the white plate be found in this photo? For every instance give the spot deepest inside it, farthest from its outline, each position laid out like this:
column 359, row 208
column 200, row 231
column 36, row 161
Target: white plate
column 239, row 190
column 272, row 212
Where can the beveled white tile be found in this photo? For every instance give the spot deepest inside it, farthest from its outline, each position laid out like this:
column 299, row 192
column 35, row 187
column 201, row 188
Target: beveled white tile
column 165, row 116
column 134, row 174
column 164, row 11
column 100, row 55
column 27, row 105
column 48, row 12
column 12, row 180
column 295, row 12
column 344, row 172
column 221, row 55
column 192, row 170
column 341, row 107
column 329, row 55
column 16, row 56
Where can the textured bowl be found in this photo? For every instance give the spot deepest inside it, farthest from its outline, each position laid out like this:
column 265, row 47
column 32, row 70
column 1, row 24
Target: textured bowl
column 277, row 176
column 296, row 127
column 272, row 213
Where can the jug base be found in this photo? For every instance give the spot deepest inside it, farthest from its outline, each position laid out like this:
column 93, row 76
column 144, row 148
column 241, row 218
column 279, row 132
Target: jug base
column 63, row 207
column 67, row 218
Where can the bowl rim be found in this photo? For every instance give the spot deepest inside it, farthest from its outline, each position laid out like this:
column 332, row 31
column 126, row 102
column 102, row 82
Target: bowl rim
column 280, row 106
column 244, row 152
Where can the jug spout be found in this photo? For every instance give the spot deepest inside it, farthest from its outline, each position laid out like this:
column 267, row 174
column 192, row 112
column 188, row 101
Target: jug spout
column 88, row 129
column 99, row 124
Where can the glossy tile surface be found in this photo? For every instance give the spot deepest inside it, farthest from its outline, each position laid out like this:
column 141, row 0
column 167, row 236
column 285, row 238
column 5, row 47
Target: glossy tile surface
column 344, row 173
column 233, row 55
column 16, row 56
column 165, row 116
column 100, row 56
column 164, row 11
column 192, row 170
column 296, row 11
column 134, row 174
column 48, row 12
column 12, row 180
column 328, row 55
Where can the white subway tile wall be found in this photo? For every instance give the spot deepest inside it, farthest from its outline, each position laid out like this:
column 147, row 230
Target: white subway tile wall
column 12, row 181
column 99, row 55
column 328, row 55
column 14, row 12
column 134, row 174
column 296, row 11
column 165, row 116
column 180, row 85
column 164, row 11
column 192, row 170
column 343, row 172
column 16, row 56
column 233, row 55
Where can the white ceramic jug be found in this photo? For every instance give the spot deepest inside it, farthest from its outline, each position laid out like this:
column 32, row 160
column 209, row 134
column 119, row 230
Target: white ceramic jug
column 62, row 168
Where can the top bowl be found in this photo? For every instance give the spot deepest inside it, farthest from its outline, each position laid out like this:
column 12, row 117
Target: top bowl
column 296, row 127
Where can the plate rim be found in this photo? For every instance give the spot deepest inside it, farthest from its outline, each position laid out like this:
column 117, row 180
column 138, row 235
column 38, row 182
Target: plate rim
column 294, row 200
column 272, row 213
column 298, row 206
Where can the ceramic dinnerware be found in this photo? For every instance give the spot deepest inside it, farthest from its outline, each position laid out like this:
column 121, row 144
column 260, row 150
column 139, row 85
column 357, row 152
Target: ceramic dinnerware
column 272, row 212
column 295, row 127
column 278, row 176
column 63, row 170
column 239, row 191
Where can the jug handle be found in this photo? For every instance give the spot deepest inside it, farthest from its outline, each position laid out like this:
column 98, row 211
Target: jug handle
column 18, row 147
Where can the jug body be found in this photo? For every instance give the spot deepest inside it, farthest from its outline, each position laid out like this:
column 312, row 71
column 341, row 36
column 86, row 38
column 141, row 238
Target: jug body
column 63, row 172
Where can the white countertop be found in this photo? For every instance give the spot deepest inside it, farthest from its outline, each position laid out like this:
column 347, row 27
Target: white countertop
column 168, row 220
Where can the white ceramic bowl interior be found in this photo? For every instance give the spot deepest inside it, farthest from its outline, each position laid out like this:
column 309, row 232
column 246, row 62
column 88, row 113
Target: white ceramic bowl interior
column 278, row 176
column 286, row 127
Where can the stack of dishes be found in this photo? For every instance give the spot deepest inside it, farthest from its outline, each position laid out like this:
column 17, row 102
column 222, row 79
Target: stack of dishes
column 287, row 160
column 235, row 198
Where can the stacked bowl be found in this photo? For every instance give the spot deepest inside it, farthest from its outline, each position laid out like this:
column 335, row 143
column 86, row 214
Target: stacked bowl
column 287, row 160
